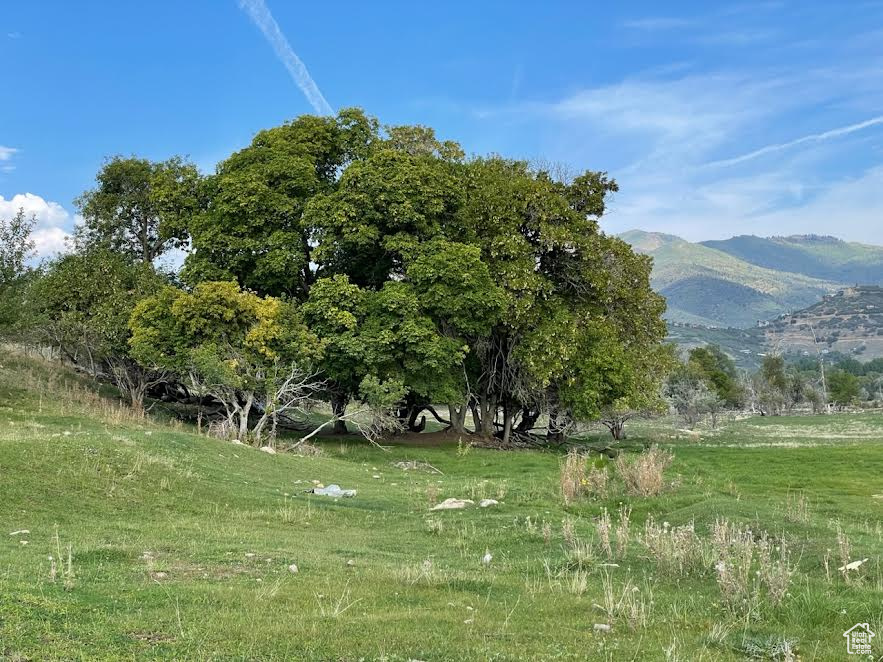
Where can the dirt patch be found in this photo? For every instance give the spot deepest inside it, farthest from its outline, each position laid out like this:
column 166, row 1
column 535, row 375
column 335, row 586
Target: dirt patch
column 152, row 638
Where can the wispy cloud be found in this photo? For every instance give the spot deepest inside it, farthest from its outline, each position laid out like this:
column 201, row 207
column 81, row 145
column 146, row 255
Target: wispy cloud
column 811, row 138
column 14, row 35
column 658, row 23
column 6, row 153
column 260, row 15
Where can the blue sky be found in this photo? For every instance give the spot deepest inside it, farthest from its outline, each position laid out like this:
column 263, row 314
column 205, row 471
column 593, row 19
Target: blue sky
column 715, row 118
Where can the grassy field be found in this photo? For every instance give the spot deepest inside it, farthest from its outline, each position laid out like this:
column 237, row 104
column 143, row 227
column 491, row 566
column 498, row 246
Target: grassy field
column 146, row 541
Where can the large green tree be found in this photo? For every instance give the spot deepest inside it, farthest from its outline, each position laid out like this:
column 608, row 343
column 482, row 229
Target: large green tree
column 253, row 228
column 139, row 207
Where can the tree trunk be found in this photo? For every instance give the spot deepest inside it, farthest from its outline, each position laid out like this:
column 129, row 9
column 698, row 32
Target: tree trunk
column 488, row 408
column 244, row 411
column 457, row 418
column 339, row 401
column 507, row 425
column 528, row 420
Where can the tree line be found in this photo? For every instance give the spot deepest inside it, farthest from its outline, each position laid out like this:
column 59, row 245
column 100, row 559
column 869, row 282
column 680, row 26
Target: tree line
column 375, row 268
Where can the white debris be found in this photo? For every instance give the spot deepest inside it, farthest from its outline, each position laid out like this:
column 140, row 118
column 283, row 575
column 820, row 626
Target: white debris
column 268, row 449
column 333, row 491
column 854, row 565
column 487, row 558
column 453, row 504
column 20, row 532
column 350, row 563
column 601, row 627
column 293, row 569
column 484, row 503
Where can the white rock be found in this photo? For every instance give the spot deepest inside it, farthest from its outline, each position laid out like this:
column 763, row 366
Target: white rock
column 268, row 449
column 453, row 504
column 236, row 442
column 484, row 503
column 350, row 563
column 293, row 569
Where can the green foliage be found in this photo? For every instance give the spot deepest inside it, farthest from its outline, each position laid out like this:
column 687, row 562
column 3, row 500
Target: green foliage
column 229, row 343
column 84, row 301
column 843, row 388
column 16, row 246
column 253, row 228
column 719, row 371
column 139, row 207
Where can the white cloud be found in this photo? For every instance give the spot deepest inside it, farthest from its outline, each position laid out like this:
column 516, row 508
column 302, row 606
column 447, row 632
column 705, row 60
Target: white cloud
column 53, row 225
column 6, row 153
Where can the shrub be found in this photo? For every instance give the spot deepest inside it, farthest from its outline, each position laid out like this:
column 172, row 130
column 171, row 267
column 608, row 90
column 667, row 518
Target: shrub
column 643, row 474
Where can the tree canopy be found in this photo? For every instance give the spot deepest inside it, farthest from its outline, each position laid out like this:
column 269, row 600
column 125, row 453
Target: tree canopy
column 388, row 262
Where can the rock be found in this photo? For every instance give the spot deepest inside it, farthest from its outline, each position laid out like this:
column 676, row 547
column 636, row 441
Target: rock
column 236, row 442
column 453, row 504
column 601, row 627
column 484, row 503
column 293, row 569
column 249, row 555
column 333, row 491
column 159, row 575
column 269, row 450
column 350, row 563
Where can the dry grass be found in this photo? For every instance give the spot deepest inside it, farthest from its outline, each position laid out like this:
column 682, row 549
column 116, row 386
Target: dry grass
column 573, row 476
column 643, row 474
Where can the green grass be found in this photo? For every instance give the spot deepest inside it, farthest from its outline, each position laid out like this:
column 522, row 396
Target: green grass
column 180, row 544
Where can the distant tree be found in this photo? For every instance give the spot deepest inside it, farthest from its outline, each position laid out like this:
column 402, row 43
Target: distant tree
column 691, row 397
column 843, row 388
column 719, row 371
column 139, row 207
column 16, row 246
column 644, row 396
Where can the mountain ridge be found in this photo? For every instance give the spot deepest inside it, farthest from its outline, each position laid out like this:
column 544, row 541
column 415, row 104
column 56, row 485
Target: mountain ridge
column 745, row 280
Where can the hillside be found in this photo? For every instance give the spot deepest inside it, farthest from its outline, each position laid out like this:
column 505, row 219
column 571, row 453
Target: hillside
column 850, row 321
column 707, row 286
column 129, row 538
column 827, row 258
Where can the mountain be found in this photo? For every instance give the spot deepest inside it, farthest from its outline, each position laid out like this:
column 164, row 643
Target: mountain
column 850, row 322
column 711, row 287
column 826, row 258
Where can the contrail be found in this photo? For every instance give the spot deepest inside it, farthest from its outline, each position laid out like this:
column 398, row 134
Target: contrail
column 813, row 137
column 262, row 18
